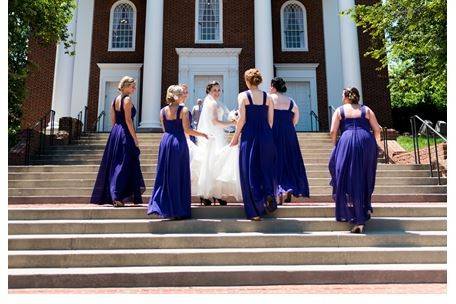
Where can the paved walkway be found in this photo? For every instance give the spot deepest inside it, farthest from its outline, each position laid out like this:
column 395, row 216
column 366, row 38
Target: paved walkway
column 280, row 289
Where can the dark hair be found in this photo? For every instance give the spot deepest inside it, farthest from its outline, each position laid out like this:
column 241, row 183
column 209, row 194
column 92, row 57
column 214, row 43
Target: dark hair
column 279, row 84
column 253, row 76
column 352, row 94
column 210, row 85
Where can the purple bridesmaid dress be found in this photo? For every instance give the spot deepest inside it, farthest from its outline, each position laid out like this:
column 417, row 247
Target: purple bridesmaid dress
column 257, row 156
column 119, row 176
column 353, row 166
column 172, row 197
column 291, row 173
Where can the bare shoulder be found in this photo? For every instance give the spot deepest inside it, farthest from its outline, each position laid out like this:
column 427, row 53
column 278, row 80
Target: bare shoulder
column 184, row 110
column 127, row 101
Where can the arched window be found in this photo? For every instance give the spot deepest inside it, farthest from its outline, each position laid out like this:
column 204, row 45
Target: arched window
column 293, row 17
column 122, row 26
column 209, row 21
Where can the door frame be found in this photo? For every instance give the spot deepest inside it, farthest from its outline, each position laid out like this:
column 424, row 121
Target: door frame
column 300, row 72
column 110, row 72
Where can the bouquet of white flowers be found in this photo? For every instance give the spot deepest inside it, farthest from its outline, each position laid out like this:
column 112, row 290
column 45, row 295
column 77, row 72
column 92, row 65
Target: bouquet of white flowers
column 233, row 115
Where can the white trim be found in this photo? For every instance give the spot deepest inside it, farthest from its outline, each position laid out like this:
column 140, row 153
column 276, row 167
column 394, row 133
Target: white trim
column 282, row 33
column 132, row 49
column 301, row 72
column 199, row 41
column 114, row 72
column 210, row 61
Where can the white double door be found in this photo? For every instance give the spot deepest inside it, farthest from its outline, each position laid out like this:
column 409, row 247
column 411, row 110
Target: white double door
column 299, row 91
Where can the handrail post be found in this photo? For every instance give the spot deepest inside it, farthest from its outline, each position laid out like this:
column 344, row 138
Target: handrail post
column 437, row 159
column 28, row 134
column 52, row 117
column 429, row 151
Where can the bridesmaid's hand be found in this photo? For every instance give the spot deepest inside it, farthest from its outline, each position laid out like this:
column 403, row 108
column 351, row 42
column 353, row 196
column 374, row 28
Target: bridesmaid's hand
column 136, row 142
column 205, row 135
column 234, row 142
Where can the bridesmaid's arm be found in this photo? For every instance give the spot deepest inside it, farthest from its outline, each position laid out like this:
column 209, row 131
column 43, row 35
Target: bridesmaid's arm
column 335, row 126
column 186, row 125
column 270, row 111
column 127, row 111
column 374, row 124
column 241, row 121
column 113, row 114
column 161, row 119
column 296, row 114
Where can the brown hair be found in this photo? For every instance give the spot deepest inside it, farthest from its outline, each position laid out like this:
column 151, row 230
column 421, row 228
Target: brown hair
column 253, row 76
column 352, row 94
column 210, row 85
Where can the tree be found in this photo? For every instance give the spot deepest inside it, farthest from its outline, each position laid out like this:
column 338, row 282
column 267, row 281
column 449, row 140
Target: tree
column 410, row 39
column 45, row 20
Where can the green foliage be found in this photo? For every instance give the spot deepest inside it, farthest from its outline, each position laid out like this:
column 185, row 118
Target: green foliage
column 44, row 20
column 410, row 39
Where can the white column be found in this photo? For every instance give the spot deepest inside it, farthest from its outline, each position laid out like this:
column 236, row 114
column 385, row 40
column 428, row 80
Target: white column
column 350, row 50
column 264, row 60
column 63, row 77
column 82, row 60
column 152, row 72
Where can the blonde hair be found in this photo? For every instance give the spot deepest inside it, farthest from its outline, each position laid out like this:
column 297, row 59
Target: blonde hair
column 253, row 76
column 173, row 92
column 125, row 82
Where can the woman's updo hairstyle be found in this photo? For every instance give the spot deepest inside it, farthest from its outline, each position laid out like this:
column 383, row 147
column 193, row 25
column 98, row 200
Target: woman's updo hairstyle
column 210, row 85
column 173, row 92
column 125, row 82
column 279, row 84
column 253, row 76
column 352, row 94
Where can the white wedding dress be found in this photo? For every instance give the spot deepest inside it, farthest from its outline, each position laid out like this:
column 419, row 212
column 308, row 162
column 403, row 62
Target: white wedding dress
column 214, row 164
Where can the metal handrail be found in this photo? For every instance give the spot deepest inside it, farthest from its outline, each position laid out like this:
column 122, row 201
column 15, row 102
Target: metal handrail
column 313, row 116
column 97, row 121
column 385, row 144
column 84, row 125
column 331, row 110
column 42, row 123
column 416, row 148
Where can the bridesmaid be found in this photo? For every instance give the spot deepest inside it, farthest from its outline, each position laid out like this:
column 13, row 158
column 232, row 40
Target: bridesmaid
column 291, row 173
column 172, row 195
column 257, row 153
column 119, row 177
column 353, row 162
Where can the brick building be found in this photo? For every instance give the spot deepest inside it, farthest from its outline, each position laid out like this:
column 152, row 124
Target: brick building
column 163, row 42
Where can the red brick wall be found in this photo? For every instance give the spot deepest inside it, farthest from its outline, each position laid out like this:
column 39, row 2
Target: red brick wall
column 179, row 32
column 39, row 83
column 316, row 53
column 100, row 41
column 376, row 94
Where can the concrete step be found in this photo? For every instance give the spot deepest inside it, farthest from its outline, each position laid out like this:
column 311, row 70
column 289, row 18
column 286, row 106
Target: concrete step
column 225, row 256
column 425, row 198
column 221, row 240
column 205, row 212
column 149, row 135
column 268, row 225
column 16, row 176
column 314, row 190
column 85, row 182
column 151, row 168
column 225, row 275
column 156, row 142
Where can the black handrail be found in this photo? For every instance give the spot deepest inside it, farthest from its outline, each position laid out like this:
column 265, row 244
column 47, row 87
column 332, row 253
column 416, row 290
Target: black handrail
column 416, row 148
column 42, row 123
column 96, row 123
column 385, row 144
column 86, row 111
column 331, row 110
column 313, row 116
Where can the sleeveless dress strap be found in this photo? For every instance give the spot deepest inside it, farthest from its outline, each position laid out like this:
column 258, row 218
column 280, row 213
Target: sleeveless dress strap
column 122, row 104
column 363, row 111
column 265, row 96
column 291, row 105
column 341, row 110
column 249, row 97
column 179, row 109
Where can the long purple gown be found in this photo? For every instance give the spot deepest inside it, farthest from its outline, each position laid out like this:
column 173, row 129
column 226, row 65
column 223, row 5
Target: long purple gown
column 291, row 173
column 119, row 176
column 172, row 197
column 353, row 166
column 257, row 156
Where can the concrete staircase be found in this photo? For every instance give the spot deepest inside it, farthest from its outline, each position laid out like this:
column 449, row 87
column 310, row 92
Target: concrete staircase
column 78, row 245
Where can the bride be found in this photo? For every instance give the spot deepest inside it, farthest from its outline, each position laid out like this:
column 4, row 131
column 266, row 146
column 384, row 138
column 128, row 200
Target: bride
column 214, row 164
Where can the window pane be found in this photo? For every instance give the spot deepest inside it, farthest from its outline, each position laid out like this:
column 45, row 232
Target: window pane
column 122, row 26
column 293, row 21
column 209, row 20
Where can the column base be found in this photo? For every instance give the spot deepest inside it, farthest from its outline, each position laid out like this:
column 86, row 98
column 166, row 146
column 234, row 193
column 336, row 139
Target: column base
column 149, row 125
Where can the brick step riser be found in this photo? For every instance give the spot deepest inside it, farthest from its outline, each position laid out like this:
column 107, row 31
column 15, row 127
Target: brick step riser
column 223, row 278
column 316, row 190
column 226, row 226
column 81, row 183
column 214, row 212
column 376, row 198
column 151, row 168
column 220, row 241
column 228, row 258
